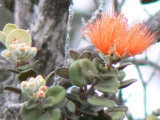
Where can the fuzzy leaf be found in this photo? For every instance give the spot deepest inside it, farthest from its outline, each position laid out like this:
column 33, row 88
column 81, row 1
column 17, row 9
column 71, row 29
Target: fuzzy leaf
column 87, row 55
column 8, row 28
column 25, row 74
column 70, row 106
column 121, row 75
column 87, row 67
column 23, row 67
column 75, row 74
column 34, row 63
column 13, row 89
column 58, row 93
column 107, row 76
column 117, row 113
column 63, row 72
column 101, row 101
column 121, row 67
column 97, row 62
column 49, row 102
column 53, row 114
column 3, row 38
column 26, row 96
column 19, row 34
column 31, row 114
column 74, row 55
column 13, row 70
column 126, row 83
column 110, row 86
column 31, row 104
column 51, row 74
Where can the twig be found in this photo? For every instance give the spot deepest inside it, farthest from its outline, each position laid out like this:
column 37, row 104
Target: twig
column 143, row 62
column 69, row 23
column 98, row 12
column 94, row 16
column 118, row 6
column 14, row 106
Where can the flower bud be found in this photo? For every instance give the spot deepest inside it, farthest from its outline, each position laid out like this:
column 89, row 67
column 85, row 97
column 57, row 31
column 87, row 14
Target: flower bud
column 22, row 48
column 12, row 46
column 41, row 94
column 23, row 85
column 31, row 87
column 43, row 88
column 9, row 54
column 32, row 79
column 40, row 82
column 16, row 41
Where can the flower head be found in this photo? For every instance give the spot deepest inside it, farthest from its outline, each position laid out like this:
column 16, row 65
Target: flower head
column 112, row 34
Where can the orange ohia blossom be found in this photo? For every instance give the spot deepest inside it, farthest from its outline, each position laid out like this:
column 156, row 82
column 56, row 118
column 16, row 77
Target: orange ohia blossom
column 112, row 34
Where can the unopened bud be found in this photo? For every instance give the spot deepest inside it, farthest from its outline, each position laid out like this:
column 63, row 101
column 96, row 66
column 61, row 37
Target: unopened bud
column 9, row 54
column 43, row 88
column 40, row 82
column 32, row 79
column 34, row 49
column 23, row 85
column 31, row 87
column 41, row 94
column 22, row 49
column 12, row 46
column 39, row 76
column 16, row 41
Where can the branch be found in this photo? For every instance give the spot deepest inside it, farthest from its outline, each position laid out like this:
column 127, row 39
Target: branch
column 69, row 23
column 154, row 24
column 22, row 13
column 14, row 106
column 143, row 62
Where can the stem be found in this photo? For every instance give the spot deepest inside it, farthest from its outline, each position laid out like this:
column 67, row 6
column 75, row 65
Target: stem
column 145, row 100
column 145, row 92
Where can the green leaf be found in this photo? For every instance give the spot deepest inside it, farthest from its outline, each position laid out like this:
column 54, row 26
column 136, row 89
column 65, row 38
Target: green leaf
column 54, row 114
column 13, row 70
column 8, row 28
column 126, row 83
column 121, row 67
column 87, row 55
column 63, row 72
column 34, row 63
column 21, row 35
column 75, row 74
column 26, row 96
column 58, row 93
column 49, row 102
column 152, row 117
column 117, row 113
column 87, row 109
column 74, row 55
column 3, row 38
column 87, row 67
column 30, row 114
column 31, row 104
column 101, row 101
column 121, row 75
column 70, row 106
column 107, row 76
column 97, row 62
column 26, row 74
column 110, row 86
column 12, row 88
column 51, row 74
column 23, row 67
